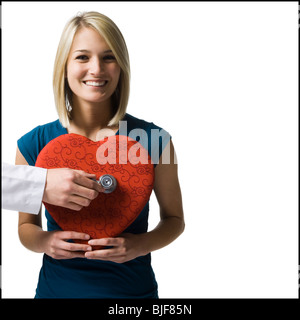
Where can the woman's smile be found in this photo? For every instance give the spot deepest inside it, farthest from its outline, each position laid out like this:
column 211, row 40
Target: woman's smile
column 95, row 84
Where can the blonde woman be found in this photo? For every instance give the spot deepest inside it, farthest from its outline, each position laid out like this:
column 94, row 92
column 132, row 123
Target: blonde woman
column 91, row 89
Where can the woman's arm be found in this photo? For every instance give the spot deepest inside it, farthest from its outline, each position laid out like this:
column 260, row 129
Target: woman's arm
column 171, row 225
column 168, row 194
column 30, row 226
column 52, row 243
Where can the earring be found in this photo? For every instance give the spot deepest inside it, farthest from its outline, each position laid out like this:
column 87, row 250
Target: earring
column 68, row 105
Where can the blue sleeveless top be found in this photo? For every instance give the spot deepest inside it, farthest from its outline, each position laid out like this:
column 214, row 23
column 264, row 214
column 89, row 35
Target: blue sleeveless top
column 85, row 278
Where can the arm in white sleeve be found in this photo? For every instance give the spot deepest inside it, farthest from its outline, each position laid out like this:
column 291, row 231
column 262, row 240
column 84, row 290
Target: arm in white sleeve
column 23, row 187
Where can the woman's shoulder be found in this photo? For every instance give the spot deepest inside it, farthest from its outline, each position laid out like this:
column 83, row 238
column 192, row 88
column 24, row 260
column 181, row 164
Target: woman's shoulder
column 151, row 136
column 137, row 123
column 47, row 128
column 41, row 133
column 32, row 142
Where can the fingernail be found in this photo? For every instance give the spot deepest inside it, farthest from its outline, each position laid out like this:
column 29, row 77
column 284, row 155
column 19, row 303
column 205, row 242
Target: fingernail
column 86, row 236
column 89, row 249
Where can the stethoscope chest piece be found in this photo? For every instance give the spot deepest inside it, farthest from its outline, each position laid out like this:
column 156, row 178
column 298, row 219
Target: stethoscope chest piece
column 108, row 182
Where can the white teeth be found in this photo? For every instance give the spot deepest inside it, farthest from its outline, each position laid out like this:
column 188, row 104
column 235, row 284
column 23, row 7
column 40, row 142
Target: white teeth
column 95, row 84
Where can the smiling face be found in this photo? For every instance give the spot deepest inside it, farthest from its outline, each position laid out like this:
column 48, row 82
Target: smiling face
column 92, row 70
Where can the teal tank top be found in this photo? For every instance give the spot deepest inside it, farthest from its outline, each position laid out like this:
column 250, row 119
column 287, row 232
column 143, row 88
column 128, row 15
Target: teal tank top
column 85, row 278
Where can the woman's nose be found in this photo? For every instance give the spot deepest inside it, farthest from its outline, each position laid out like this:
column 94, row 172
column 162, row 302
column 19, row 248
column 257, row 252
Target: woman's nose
column 96, row 67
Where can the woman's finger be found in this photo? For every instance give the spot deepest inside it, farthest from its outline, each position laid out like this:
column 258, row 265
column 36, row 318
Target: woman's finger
column 63, row 254
column 69, row 246
column 105, row 254
column 66, row 235
column 107, row 242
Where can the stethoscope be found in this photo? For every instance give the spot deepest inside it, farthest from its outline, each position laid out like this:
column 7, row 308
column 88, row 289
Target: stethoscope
column 108, row 182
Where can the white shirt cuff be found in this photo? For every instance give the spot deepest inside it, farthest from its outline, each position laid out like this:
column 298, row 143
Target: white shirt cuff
column 23, row 187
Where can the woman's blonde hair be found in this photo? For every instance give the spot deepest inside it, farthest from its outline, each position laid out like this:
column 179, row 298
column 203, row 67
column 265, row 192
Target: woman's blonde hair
column 114, row 38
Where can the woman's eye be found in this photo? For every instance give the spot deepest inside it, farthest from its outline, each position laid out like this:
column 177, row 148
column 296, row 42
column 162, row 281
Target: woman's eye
column 82, row 57
column 109, row 58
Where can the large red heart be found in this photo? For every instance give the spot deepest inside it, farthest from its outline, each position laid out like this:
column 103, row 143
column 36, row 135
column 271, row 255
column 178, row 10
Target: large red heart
column 109, row 214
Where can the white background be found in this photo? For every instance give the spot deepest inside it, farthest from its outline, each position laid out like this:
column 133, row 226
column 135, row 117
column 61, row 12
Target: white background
column 222, row 79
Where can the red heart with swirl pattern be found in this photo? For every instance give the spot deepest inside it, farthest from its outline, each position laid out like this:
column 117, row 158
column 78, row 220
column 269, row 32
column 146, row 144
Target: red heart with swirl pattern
column 120, row 156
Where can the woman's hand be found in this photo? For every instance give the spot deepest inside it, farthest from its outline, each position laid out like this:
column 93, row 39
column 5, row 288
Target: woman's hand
column 125, row 247
column 56, row 246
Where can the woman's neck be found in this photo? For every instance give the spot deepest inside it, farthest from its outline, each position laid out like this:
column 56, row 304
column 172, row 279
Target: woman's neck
column 89, row 118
